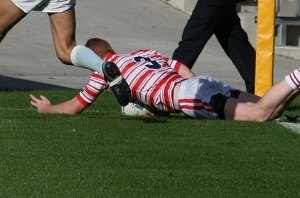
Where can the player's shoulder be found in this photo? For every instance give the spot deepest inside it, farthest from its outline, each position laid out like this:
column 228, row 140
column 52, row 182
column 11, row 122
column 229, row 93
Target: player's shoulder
column 145, row 52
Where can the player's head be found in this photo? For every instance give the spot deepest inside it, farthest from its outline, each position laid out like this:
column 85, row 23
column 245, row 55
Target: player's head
column 99, row 46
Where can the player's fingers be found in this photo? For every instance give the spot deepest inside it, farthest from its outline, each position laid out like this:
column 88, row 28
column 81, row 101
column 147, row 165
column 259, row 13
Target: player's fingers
column 33, row 103
column 147, row 115
column 150, row 114
column 33, row 98
column 44, row 98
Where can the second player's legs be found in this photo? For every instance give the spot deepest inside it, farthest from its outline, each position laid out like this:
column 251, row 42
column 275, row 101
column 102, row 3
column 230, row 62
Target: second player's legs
column 234, row 41
column 196, row 33
column 63, row 27
column 10, row 15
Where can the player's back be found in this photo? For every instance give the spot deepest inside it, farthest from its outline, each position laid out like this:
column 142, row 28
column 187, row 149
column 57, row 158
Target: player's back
column 150, row 77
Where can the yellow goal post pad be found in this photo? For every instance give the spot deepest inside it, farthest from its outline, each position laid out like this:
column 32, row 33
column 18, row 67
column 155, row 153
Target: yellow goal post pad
column 264, row 46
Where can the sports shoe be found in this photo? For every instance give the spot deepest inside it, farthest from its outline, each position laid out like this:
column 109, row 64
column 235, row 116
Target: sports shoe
column 117, row 83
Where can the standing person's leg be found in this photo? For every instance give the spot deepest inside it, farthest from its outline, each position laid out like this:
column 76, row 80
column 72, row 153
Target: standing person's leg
column 198, row 30
column 63, row 26
column 236, row 45
column 10, row 15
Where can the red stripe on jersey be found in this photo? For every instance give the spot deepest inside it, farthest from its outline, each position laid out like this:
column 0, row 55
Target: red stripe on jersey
column 157, row 88
column 130, row 66
column 150, row 86
column 108, row 56
column 91, row 87
column 139, row 82
column 126, row 68
column 98, row 76
column 169, row 95
column 82, row 101
column 291, row 77
column 173, row 63
column 86, row 97
column 91, row 92
column 177, row 66
column 142, row 87
column 140, row 51
column 295, row 79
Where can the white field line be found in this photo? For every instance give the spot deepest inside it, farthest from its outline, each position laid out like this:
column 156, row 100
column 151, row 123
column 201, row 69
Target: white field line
column 295, row 127
column 15, row 109
column 33, row 109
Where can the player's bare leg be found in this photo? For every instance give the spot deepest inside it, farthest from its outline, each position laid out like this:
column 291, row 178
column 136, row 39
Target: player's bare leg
column 10, row 15
column 267, row 108
column 247, row 97
column 63, row 27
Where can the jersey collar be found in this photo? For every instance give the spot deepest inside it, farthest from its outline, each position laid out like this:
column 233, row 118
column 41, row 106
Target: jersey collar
column 108, row 56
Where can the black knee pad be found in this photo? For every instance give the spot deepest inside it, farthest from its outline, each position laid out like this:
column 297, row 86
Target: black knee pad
column 235, row 93
column 218, row 102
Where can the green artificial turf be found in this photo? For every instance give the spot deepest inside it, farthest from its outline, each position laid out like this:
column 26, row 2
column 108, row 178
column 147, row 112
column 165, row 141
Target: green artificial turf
column 101, row 153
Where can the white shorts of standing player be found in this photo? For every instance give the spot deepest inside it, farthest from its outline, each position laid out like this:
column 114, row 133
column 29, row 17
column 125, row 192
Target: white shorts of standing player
column 49, row 6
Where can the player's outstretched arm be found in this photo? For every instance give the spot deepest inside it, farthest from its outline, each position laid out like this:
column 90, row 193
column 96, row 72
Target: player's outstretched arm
column 43, row 105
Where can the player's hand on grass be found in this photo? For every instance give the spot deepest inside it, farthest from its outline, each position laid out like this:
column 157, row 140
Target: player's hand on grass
column 137, row 109
column 147, row 114
column 41, row 103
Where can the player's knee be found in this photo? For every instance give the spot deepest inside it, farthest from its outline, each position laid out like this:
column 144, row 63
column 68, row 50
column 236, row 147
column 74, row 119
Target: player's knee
column 64, row 57
column 63, row 52
column 2, row 35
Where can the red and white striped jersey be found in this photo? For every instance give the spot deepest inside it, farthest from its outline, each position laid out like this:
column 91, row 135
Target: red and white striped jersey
column 150, row 76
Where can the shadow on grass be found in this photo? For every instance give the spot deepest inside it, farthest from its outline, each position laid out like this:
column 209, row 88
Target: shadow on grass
column 162, row 117
column 9, row 83
column 293, row 107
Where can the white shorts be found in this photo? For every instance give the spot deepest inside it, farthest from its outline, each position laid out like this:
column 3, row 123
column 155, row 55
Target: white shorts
column 195, row 94
column 49, row 6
